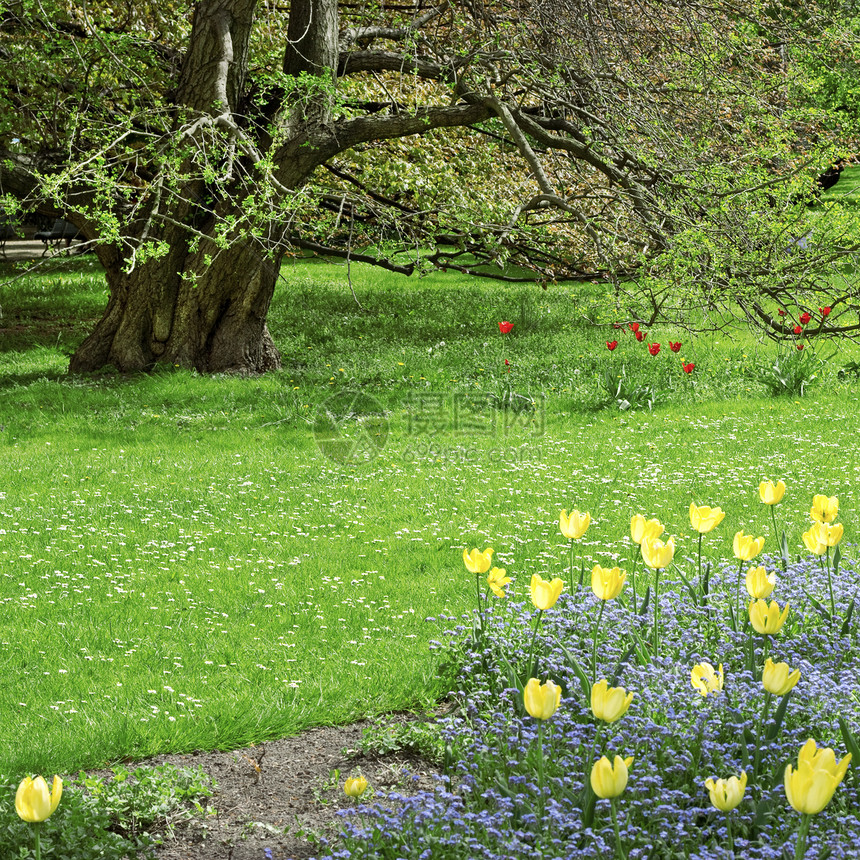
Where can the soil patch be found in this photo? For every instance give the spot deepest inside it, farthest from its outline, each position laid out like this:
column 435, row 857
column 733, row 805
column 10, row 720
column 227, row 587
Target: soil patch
column 283, row 795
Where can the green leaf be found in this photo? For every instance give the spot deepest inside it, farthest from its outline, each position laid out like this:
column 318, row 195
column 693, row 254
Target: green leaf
column 778, row 717
column 824, row 612
column 643, row 609
column 694, row 592
column 850, row 742
column 846, row 624
column 584, row 683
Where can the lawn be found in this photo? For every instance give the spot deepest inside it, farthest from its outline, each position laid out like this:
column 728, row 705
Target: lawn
column 190, row 562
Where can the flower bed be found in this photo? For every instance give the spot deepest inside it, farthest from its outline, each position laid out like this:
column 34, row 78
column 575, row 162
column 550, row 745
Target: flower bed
column 520, row 785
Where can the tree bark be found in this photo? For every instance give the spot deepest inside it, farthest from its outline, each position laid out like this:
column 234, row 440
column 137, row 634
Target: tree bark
column 182, row 310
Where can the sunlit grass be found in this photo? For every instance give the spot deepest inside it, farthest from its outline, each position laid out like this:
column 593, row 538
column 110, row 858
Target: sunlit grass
column 181, row 568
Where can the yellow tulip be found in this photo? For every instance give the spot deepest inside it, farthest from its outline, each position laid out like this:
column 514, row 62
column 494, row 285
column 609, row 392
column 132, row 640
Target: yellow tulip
column 573, row 527
column 641, row 529
column 478, row 562
column 766, row 617
column 726, row 794
column 657, row 554
column 770, row 493
column 705, row 679
column 827, row 534
column 609, row 703
column 355, row 786
column 541, row 700
column 33, row 801
column 760, row 583
column 607, row 583
column 496, row 579
column 777, row 678
column 746, row 546
column 545, row 594
column 610, row 779
column 705, row 519
column 810, row 787
column 814, row 545
column 824, row 509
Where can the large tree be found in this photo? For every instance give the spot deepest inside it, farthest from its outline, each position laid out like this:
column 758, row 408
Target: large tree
column 196, row 144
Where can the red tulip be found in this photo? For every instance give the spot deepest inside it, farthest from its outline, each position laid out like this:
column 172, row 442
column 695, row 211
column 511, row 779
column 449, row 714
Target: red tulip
column 640, row 336
column 505, row 327
column 797, row 329
column 675, row 345
column 688, row 368
column 653, row 348
column 611, row 344
column 506, row 361
column 781, row 312
column 634, row 327
column 824, row 311
column 800, row 346
column 805, row 318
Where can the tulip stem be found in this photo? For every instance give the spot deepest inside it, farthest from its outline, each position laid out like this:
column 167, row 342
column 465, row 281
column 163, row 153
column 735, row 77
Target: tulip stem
column 700, row 564
column 594, row 647
column 775, row 534
column 656, row 610
column 480, row 610
column 633, row 577
column 532, row 646
column 540, row 768
column 830, row 587
column 802, row 833
column 729, row 834
column 738, row 592
column 36, row 827
column 768, row 698
column 572, row 556
column 619, row 848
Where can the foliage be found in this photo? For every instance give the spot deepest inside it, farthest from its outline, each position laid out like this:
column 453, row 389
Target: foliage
column 790, row 374
column 109, row 818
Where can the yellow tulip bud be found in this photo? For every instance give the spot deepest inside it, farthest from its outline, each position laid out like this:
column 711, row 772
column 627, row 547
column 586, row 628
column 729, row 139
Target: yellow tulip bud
column 777, row 678
column 496, row 579
column 814, row 545
column 573, row 527
column 355, row 786
column 478, row 562
column 610, row 779
column 770, row 493
column 705, row 519
column 766, row 617
column 33, row 801
column 827, row 534
column 545, row 594
column 726, row 794
column 609, row 703
column 657, row 554
column 705, row 679
column 607, row 583
column 640, row 529
column 760, row 583
column 824, row 509
column 810, row 787
column 541, row 700
column 746, row 547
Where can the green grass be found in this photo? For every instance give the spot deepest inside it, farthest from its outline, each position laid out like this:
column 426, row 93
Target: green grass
column 181, row 568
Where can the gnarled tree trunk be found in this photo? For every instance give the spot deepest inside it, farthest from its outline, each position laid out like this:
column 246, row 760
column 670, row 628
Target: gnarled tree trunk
column 181, row 310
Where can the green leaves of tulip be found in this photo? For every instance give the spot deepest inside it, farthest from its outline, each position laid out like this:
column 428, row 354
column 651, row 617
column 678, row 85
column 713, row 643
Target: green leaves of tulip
column 34, row 802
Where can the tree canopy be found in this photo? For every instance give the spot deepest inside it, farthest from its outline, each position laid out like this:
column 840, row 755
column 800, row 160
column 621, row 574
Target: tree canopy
column 669, row 145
